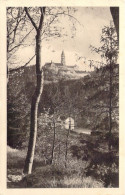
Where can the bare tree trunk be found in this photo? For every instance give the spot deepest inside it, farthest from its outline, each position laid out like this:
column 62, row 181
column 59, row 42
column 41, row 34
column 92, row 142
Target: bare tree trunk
column 34, row 108
column 59, row 154
column 53, row 146
column 110, row 98
column 110, row 107
column 115, row 15
column 67, row 144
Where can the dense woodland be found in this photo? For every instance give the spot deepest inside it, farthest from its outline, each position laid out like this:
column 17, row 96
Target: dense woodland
column 86, row 100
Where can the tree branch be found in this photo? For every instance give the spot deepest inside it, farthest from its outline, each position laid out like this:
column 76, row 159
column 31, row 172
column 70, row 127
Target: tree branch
column 30, row 18
column 21, row 41
column 18, row 68
column 42, row 9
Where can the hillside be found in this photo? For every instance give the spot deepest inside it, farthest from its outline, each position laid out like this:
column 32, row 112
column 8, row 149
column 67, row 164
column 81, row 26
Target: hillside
column 63, row 72
column 83, row 99
column 88, row 157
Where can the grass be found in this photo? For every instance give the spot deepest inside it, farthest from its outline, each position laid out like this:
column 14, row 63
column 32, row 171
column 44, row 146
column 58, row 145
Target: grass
column 15, row 161
column 61, row 181
column 47, row 176
column 79, row 173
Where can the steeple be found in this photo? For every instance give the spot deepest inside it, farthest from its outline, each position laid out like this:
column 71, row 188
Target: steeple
column 63, row 58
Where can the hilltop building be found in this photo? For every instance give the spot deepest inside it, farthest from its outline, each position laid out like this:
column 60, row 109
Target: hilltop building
column 63, row 58
column 88, row 65
column 55, row 71
column 61, row 65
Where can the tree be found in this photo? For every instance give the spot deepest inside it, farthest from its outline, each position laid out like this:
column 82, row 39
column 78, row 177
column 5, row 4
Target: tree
column 49, row 131
column 115, row 15
column 38, row 91
column 67, row 139
column 19, row 21
column 44, row 30
column 109, row 89
column 54, row 138
column 17, row 34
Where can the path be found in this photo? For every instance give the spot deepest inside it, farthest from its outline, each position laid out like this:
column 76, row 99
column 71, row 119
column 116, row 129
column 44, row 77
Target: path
column 82, row 130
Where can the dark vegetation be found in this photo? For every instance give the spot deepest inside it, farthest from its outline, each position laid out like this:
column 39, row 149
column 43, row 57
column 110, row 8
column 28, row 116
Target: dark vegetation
column 86, row 101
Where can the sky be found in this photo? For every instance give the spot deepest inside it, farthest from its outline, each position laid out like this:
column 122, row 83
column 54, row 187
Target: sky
column 88, row 32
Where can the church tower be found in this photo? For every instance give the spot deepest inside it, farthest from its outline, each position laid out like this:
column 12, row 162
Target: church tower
column 63, row 59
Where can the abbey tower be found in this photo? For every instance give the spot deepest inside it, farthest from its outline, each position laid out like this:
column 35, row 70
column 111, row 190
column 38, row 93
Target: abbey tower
column 63, row 58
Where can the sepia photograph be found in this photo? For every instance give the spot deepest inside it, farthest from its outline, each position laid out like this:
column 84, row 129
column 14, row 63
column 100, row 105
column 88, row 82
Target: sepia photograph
column 62, row 97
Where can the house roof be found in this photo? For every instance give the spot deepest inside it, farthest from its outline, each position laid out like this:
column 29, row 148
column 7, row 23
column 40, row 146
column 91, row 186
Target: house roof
column 72, row 66
column 47, row 64
column 80, row 71
column 56, row 64
column 69, row 118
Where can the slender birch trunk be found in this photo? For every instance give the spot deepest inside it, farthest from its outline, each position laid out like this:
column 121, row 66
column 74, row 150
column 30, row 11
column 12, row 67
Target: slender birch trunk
column 34, row 108
column 67, row 143
column 37, row 94
column 53, row 146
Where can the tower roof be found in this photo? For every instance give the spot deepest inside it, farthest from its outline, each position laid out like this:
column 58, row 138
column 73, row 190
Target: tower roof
column 63, row 53
column 63, row 58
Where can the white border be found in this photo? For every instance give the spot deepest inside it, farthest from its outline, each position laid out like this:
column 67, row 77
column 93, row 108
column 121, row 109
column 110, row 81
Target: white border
column 3, row 96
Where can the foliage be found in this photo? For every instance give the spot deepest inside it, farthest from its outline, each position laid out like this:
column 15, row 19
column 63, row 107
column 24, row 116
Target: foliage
column 107, row 87
column 61, row 96
column 17, row 119
column 76, row 94
column 101, row 164
column 48, row 176
column 60, row 178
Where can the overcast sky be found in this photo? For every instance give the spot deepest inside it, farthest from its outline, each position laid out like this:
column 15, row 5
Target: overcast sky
column 88, row 33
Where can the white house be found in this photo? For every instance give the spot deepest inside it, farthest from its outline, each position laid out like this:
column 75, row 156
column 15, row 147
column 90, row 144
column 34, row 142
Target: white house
column 69, row 123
